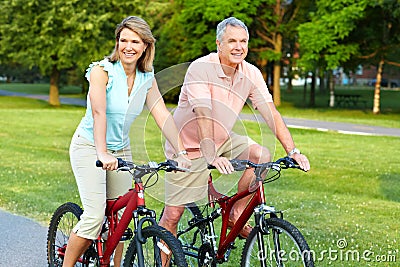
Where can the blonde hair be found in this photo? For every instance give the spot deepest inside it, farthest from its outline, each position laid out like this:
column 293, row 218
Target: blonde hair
column 140, row 26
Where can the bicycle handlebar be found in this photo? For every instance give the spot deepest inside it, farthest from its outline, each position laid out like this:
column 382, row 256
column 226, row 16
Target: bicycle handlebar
column 168, row 166
column 282, row 163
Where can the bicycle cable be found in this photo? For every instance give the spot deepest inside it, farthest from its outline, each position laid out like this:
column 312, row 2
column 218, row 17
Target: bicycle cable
column 149, row 178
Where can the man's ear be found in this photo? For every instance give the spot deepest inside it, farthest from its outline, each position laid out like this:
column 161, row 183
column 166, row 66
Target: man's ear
column 218, row 43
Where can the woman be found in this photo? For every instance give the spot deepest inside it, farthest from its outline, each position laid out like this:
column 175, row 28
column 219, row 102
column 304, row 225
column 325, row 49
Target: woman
column 119, row 86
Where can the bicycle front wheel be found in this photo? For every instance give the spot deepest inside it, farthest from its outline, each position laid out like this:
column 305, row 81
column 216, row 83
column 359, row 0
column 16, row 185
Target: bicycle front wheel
column 61, row 224
column 279, row 244
column 160, row 249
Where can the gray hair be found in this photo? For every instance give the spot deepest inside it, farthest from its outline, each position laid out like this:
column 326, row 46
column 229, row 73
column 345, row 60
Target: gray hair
column 221, row 28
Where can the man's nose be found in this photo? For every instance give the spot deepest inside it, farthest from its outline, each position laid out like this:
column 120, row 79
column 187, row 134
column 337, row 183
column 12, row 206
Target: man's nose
column 238, row 45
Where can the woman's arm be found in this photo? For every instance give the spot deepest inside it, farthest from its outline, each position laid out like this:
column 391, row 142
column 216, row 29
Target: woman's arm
column 97, row 95
column 166, row 123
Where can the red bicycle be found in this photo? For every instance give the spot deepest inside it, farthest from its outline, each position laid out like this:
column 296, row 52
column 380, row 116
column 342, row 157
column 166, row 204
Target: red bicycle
column 150, row 245
column 273, row 240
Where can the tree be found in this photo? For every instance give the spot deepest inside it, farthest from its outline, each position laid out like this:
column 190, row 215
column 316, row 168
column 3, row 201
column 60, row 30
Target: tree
column 378, row 37
column 62, row 34
column 322, row 39
column 348, row 34
column 190, row 30
column 275, row 28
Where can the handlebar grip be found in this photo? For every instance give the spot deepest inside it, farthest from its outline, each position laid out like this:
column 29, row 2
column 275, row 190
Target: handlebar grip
column 238, row 165
column 121, row 163
column 172, row 165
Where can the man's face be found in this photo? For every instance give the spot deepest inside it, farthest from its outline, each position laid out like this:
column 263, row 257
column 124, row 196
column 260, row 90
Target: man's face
column 233, row 47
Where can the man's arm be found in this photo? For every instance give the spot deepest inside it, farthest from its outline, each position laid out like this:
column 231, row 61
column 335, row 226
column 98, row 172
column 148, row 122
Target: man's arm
column 207, row 144
column 275, row 122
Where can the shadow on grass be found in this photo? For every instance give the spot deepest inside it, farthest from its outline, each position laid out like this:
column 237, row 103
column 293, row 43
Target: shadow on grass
column 389, row 186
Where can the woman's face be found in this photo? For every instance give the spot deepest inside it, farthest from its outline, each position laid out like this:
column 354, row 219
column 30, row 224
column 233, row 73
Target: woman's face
column 130, row 46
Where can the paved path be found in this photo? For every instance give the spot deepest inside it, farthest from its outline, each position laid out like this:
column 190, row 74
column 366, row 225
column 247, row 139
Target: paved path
column 17, row 231
column 22, row 242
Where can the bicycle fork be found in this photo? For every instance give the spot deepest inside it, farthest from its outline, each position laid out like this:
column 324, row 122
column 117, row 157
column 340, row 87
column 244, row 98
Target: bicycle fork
column 260, row 213
column 139, row 239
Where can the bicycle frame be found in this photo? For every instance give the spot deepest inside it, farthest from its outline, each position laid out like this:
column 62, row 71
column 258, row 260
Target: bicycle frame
column 226, row 203
column 132, row 201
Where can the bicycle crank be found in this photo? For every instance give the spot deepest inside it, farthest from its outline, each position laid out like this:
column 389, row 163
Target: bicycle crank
column 206, row 256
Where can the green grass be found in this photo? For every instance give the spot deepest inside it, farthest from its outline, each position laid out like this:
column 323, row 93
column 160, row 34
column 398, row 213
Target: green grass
column 352, row 191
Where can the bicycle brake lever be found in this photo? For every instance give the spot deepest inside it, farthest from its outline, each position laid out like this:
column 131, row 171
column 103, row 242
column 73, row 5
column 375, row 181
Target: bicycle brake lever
column 153, row 165
column 238, row 165
column 276, row 167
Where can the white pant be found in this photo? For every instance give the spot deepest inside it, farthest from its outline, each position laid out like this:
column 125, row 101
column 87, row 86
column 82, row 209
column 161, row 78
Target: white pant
column 95, row 185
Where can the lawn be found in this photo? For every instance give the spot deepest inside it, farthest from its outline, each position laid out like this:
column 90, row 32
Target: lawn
column 347, row 206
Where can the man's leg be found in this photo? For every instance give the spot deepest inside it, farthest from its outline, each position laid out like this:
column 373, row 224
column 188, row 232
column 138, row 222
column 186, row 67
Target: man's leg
column 257, row 154
column 169, row 220
column 171, row 217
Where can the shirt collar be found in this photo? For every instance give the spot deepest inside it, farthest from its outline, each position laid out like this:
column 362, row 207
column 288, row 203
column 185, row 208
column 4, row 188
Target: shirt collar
column 218, row 68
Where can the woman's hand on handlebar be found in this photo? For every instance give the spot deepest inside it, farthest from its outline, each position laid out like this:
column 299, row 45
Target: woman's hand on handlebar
column 110, row 162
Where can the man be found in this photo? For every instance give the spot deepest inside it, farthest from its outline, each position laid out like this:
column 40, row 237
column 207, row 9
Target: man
column 214, row 92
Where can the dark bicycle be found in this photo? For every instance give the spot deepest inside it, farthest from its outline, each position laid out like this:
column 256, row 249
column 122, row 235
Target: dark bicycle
column 273, row 240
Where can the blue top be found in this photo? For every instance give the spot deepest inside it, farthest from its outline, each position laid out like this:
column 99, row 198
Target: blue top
column 121, row 110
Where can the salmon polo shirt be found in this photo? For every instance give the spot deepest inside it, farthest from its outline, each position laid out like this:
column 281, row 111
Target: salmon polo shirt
column 206, row 85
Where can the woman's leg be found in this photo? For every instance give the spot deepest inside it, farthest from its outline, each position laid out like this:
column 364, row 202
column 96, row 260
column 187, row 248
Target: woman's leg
column 91, row 182
column 76, row 247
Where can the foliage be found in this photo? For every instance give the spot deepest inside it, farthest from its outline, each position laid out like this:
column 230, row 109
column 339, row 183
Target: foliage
column 189, row 31
column 63, row 35
column 343, row 33
column 321, row 38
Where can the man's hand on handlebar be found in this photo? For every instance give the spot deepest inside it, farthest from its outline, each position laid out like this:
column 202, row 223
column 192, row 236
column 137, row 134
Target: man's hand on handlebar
column 223, row 165
column 302, row 160
column 184, row 163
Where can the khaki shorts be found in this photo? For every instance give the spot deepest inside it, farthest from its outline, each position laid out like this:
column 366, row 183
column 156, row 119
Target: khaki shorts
column 95, row 185
column 182, row 188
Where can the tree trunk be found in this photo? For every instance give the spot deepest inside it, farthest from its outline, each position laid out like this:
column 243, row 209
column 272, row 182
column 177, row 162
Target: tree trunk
column 312, row 91
column 331, row 89
column 289, row 88
column 289, row 85
column 85, row 86
column 321, row 77
column 262, row 65
column 277, row 72
column 377, row 93
column 54, row 98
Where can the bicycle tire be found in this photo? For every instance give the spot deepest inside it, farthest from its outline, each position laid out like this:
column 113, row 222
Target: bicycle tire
column 156, row 238
column 292, row 247
column 63, row 220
